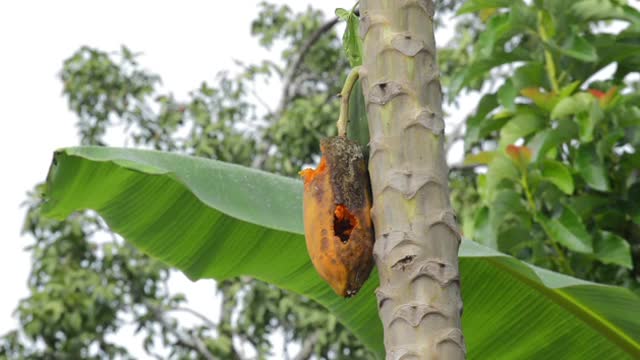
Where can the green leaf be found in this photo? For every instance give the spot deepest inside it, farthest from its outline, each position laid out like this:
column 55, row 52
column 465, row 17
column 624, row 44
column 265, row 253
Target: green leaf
column 476, row 123
column 508, row 208
column 592, row 168
column 543, row 100
column 580, row 102
column 558, row 174
column 568, row 230
column 358, row 126
column 569, row 89
column 507, row 95
column 622, row 49
column 579, row 48
column 351, row 40
column 477, row 5
column 500, row 168
column 498, row 27
column 588, row 121
column 519, row 126
column 481, row 158
column 549, row 139
column 586, row 204
column 605, row 146
column 547, row 23
column 343, row 14
column 532, row 74
column 483, row 232
column 479, row 68
column 604, row 10
column 216, row 220
column 612, row 249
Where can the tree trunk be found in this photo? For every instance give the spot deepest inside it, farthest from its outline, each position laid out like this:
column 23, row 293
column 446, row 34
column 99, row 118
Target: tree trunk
column 417, row 238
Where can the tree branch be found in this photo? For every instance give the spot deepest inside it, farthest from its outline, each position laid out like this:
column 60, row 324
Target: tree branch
column 297, row 63
column 307, row 347
column 200, row 316
column 192, row 342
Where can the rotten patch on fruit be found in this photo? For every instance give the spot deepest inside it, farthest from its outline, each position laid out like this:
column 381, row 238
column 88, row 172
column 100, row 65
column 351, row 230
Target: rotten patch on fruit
column 337, row 219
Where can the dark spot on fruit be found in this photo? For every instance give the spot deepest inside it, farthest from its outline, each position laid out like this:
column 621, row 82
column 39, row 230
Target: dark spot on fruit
column 343, row 223
column 324, row 245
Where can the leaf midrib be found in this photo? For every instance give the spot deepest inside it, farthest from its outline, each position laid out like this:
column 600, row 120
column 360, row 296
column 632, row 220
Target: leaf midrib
column 583, row 313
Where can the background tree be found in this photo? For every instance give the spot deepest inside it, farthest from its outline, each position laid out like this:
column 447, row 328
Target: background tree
column 559, row 141
column 85, row 283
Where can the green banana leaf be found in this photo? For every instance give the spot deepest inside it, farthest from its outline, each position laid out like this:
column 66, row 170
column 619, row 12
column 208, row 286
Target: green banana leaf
column 216, row 220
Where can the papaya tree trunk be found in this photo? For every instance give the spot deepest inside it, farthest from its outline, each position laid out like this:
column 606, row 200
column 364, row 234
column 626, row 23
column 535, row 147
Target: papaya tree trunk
column 417, row 238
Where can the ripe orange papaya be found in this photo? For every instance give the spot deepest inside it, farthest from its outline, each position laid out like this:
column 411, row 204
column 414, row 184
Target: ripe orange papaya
column 337, row 219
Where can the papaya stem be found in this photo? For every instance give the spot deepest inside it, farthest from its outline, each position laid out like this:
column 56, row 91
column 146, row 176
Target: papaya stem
column 343, row 119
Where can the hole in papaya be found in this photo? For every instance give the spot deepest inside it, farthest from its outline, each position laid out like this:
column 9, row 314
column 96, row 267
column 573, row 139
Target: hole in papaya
column 343, row 223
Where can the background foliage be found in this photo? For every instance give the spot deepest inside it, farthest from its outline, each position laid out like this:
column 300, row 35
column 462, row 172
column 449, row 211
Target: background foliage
column 558, row 142
column 550, row 173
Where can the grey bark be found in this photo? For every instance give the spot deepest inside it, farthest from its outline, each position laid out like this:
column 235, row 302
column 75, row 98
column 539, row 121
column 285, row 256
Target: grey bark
column 417, row 238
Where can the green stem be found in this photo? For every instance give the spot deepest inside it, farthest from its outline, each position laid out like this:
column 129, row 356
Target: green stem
column 343, row 120
column 548, row 58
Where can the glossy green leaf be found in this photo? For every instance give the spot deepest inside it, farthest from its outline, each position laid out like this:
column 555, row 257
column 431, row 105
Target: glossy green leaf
column 605, row 146
column 604, row 10
column 500, row 168
column 507, row 95
column 592, row 168
column 343, row 14
column 508, row 208
column 569, row 89
column 497, row 28
column 549, row 139
column 558, row 174
column 358, row 126
column 612, row 249
column 579, row 48
column 569, row 231
column 351, row 40
column 543, row 100
column 586, row 204
column 519, row 126
column 531, row 74
column 547, row 23
column 572, row 105
column 523, row 16
column 216, row 220
column 587, row 122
